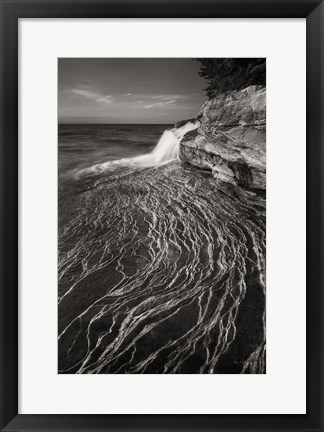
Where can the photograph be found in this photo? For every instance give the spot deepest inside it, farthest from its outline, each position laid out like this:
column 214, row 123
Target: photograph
column 161, row 215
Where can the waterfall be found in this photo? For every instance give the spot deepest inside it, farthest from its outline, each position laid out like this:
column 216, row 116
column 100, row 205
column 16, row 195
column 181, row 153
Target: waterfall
column 168, row 146
column 165, row 151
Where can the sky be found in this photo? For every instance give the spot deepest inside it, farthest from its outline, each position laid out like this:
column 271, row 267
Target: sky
column 103, row 90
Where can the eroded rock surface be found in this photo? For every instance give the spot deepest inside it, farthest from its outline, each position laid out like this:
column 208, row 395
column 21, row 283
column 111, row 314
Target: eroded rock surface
column 231, row 138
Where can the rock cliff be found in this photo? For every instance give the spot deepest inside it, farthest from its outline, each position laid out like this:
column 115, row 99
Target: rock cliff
column 231, row 138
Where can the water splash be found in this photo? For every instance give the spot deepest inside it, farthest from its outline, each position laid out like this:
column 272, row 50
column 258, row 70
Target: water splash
column 165, row 151
column 167, row 148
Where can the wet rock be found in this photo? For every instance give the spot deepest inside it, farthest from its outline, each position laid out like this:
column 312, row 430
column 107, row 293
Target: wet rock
column 231, row 138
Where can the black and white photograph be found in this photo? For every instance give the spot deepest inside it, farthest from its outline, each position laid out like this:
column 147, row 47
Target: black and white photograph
column 162, row 215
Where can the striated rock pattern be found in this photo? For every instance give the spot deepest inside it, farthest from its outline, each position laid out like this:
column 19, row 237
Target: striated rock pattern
column 231, row 138
column 160, row 276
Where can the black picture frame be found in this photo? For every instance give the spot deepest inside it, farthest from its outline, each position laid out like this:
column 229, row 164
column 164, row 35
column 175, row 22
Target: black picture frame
column 11, row 12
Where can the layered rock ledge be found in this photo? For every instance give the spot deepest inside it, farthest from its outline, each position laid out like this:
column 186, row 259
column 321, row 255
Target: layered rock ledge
column 231, row 138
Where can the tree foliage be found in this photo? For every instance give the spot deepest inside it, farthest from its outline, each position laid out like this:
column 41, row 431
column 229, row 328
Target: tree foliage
column 229, row 74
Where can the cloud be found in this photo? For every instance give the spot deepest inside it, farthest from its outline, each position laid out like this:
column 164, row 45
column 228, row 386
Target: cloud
column 160, row 104
column 86, row 93
column 106, row 99
column 146, row 101
column 93, row 95
column 162, row 100
column 166, row 97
